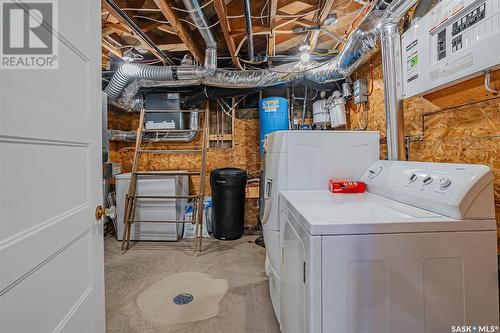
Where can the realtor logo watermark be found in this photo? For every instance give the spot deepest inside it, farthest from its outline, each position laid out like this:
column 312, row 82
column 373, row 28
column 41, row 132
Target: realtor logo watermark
column 28, row 38
column 474, row 329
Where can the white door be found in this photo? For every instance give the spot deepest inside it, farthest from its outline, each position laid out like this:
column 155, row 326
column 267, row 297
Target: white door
column 51, row 246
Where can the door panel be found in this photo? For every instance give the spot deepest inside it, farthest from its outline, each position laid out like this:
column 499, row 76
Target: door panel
column 293, row 293
column 51, row 250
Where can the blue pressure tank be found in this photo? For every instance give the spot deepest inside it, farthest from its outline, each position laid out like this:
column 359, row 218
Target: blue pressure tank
column 273, row 113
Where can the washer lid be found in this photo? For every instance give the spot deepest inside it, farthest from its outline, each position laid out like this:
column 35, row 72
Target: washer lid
column 325, row 213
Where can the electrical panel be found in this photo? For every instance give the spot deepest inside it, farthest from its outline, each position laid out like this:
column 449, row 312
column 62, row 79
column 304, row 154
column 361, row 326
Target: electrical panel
column 455, row 41
column 360, row 92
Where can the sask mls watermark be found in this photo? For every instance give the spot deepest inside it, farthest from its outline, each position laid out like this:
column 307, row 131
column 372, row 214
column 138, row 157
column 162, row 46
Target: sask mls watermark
column 27, row 35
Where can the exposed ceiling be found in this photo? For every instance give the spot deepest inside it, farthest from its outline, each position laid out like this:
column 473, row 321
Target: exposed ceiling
column 170, row 28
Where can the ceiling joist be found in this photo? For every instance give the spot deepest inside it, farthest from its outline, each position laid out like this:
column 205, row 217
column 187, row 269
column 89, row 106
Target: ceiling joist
column 220, row 8
column 117, row 28
column 273, row 9
column 276, row 22
column 106, row 6
column 180, row 28
column 112, row 49
column 323, row 14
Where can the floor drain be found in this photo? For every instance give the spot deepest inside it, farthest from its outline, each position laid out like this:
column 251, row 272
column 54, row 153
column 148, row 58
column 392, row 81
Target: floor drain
column 183, row 299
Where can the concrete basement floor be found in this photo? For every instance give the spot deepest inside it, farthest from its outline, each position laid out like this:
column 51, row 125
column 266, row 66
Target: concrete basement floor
column 146, row 268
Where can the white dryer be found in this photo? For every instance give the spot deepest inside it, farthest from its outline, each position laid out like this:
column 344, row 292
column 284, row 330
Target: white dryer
column 416, row 253
column 297, row 160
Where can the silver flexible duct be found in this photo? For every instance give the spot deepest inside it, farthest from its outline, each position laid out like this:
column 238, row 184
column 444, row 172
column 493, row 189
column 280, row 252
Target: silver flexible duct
column 256, row 78
column 127, row 72
column 360, row 47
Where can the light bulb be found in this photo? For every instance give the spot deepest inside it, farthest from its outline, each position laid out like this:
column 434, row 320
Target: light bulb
column 304, row 47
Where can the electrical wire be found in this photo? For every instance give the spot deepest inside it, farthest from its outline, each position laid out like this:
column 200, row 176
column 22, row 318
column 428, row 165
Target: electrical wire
column 278, row 15
column 193, row 10
column 362, row 12
column 142, row 9
column 487, row 83
column 151, row 19
column 200, row 27
column 326, row 54
column 129, row 47
column 231, row 109
column 150, row 62
column 167, row 22
column 371, row 79
column 262, row 12
column 251, row 16
column 342, row 6
column 251, row 62
column 297, row 15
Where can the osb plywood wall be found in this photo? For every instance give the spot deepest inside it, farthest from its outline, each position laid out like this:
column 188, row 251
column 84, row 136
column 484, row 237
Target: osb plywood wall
column 458, row 124
column 244, row 155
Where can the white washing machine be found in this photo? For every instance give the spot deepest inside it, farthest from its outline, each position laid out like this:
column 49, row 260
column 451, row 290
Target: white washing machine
column 296, row 160
column 415, row 253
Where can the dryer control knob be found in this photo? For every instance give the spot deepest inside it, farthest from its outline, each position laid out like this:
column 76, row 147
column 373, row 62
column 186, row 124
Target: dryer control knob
column 427, row 180
column 444, row 183
column 374, row 173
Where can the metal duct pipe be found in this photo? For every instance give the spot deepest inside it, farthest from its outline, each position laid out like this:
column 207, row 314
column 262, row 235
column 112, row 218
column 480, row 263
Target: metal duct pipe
column 188, row 136
column 391, row 60
column 360, row 47
column 130, row 136
column 394, row 120
column 396, row 10
column 199, row 18
column 127, row 72
column 423, row 7
column 248, row 21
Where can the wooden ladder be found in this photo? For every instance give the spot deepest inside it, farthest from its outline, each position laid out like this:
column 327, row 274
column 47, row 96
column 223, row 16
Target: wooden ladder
column 197, row 199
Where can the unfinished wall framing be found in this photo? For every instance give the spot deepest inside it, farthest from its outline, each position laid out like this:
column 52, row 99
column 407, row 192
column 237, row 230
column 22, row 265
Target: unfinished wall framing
column 245, row 154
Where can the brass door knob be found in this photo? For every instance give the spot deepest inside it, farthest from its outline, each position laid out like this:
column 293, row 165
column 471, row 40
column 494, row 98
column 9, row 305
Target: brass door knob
column 101, row 212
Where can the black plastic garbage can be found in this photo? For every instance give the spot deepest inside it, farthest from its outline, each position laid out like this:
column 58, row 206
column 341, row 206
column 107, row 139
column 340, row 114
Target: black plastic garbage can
column 228, row 202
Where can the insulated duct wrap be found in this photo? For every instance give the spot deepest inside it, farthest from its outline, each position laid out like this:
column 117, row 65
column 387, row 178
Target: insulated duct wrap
column 255, row 78
column 220, row 78
column 128, row 72
column 362, row 45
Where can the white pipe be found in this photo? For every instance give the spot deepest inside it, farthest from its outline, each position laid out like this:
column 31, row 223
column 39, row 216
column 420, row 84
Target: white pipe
column 487, row 83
